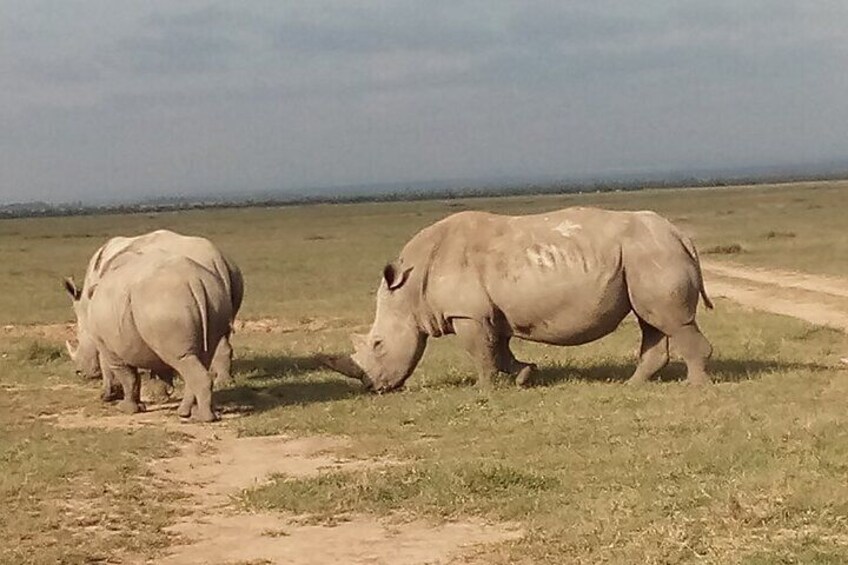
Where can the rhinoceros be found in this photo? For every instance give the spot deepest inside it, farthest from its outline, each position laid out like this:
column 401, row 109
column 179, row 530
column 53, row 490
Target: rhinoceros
column 155, row 311
column 200, row 250
column 565, row 277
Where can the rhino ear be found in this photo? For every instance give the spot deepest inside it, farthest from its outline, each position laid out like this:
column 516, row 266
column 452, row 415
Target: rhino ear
column 72, row 289
column 395, row 275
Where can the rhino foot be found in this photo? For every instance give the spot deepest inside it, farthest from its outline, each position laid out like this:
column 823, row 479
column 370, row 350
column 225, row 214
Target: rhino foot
column 112, row 395
column 522, row 379
column 203, row 416
column 130, row 407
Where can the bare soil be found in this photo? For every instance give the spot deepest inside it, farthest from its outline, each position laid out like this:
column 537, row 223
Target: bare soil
column 215, row 465
column 816, row 299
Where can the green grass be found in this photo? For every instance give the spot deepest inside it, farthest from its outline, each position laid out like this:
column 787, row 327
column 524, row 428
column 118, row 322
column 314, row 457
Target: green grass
column 324, row 260
column 752, row 470
column 71, row 495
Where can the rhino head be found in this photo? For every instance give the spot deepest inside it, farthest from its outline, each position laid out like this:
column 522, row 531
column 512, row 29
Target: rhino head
column 84, row 353
column 386, row 356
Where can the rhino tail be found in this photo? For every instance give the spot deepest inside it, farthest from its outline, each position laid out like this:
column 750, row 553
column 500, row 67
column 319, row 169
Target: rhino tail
column 693, row 254
column 198, row 292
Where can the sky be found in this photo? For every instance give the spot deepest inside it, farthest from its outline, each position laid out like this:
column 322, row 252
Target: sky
column 111, row 99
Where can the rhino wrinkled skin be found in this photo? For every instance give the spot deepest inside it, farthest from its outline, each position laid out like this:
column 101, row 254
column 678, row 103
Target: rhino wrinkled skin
column 115, row 261
column 565, row 277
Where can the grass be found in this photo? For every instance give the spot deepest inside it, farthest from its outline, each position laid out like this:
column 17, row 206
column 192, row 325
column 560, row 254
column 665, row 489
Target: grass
column 71, row 495
column 324, row 260
column 752, row 470
column 731, row 249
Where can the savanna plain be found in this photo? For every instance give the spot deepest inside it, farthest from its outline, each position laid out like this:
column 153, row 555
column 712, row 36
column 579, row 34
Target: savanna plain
column 579, row 468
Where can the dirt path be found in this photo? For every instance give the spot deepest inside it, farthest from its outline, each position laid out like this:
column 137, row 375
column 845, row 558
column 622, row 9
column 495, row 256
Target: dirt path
column 816, row 299
column 62, row 331
column 215, row 465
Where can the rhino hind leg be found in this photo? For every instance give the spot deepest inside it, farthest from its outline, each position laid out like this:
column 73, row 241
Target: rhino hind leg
column 222, row 363
column 507, row 363
column 695, row 350
column 197, row 401
column 480, row 342
column 653, row 355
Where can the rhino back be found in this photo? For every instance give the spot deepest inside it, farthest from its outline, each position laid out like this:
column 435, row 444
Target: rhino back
column 158, row 308
column 199, row 249
column 554, row 277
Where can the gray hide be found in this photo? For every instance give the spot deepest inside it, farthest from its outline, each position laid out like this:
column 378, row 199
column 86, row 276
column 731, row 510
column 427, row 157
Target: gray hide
column 565, row 277
column 159, row 312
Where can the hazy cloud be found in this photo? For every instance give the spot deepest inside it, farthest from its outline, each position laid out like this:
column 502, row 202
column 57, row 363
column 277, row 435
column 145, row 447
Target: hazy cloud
column 104, row 98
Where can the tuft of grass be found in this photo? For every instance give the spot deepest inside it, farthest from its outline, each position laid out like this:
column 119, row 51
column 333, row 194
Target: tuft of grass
column 42, row 353
column 781, row 235
column 435, row 488
column 731, row 249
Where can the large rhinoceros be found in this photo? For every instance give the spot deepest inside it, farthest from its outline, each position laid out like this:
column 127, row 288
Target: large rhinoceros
column 155, row 311
column 565, row 277
column 200, row 250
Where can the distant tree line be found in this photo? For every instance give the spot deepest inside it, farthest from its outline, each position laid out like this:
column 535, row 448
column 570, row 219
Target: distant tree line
column 43, row 209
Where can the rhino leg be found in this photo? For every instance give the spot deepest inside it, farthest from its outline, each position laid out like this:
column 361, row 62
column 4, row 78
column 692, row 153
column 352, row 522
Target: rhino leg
column 187, row 403
column 198, row 395
column 696, row 350
column 653, row 355
column 111, row 390
column 481, row 343
column 131, row 383
column 222, row 363
column 507, row 363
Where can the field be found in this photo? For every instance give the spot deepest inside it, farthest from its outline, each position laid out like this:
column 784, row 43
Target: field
column 307, row 468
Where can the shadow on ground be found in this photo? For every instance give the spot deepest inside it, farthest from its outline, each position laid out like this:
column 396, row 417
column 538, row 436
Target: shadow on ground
column 265, row 382
column 721, row 371
column 258, row 367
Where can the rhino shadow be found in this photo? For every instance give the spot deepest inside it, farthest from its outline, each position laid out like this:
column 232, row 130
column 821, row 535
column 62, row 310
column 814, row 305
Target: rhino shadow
column 722, row 370
column 253, row 393
column 256, row 367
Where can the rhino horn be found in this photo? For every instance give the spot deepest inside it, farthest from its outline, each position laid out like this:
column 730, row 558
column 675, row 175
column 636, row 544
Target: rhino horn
column 345, row 365
column 72, row 350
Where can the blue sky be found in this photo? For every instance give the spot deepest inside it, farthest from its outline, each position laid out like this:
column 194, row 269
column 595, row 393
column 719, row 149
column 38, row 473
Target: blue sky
column 115, row 99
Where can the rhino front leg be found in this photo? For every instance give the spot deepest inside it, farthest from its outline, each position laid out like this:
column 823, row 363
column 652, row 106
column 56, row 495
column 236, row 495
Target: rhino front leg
column 110, row 389
column 481, row 343
column 131, row 383
column 507, row 363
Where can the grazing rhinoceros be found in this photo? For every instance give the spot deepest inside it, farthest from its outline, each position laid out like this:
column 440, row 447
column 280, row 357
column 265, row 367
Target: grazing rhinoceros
column 566, row 277
column 200, row 250
column 155, row 311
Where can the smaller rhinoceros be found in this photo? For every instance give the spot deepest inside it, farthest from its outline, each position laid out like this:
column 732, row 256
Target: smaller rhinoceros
column 565, row 277
column 200, row 250
column 154, row 311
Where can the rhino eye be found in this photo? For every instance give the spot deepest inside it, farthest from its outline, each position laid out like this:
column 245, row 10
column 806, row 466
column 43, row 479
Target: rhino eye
column 378, row 343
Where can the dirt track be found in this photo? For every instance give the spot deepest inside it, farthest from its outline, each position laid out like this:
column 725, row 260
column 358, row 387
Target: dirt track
column 215, row 465
column 816, row 299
